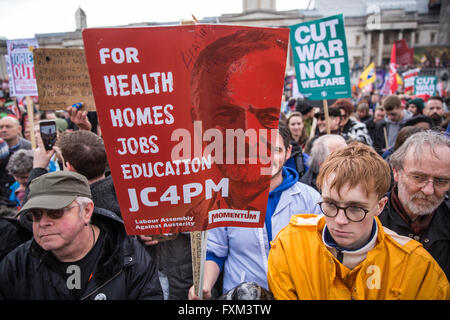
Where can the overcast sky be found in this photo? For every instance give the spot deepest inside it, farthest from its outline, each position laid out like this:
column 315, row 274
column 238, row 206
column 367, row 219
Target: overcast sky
column 21, row 19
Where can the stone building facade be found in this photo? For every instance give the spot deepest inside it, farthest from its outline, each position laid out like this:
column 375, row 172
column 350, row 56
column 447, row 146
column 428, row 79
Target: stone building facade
column 371, row 25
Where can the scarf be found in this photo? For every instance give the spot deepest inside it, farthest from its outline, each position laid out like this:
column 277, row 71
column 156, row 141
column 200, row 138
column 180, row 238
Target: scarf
column 418, row 225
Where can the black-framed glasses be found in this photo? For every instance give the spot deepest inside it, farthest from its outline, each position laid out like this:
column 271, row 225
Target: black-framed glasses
column 353, row 213
column 52, row 214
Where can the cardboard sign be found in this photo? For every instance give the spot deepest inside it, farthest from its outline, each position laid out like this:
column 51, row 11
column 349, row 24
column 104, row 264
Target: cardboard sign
column 425, row 85
column 23, row 79
column 320, row 58
column 187, row 115
column 62, row 79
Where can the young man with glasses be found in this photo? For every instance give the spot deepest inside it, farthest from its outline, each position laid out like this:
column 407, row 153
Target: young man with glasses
column 75, row 254
column 347, row 253
column 418, row 205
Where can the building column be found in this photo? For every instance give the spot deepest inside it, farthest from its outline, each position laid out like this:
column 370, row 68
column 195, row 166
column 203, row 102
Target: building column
column 400, row 35
column 380, row 49
column 368, row 48
column 413, row 39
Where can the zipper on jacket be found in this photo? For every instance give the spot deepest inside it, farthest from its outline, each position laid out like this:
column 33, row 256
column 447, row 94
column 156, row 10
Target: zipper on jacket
column 340, row 255
column 104, row 284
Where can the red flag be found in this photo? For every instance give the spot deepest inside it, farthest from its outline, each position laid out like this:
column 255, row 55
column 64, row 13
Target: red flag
column 404, row 54
column 393, row 85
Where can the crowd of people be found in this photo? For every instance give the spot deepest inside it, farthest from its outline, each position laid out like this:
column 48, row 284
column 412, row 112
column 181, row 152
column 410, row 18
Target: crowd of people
column 358, row 208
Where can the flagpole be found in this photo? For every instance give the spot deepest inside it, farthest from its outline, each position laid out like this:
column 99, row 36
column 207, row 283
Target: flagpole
column 30, row 112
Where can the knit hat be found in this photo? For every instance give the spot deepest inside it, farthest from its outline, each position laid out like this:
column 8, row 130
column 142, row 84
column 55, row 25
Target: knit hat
column 418, row 102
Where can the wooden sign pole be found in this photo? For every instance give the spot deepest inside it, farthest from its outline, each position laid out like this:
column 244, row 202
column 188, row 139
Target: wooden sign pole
column 198, row 238
column 313, row 127
column 30, row 113
column 198, row 251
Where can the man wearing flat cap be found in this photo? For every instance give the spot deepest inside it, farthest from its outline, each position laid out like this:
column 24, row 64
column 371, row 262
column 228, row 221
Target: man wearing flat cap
column 75, row 254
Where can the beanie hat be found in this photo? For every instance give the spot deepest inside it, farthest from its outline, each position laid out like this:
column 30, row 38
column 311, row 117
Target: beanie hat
column 418, row 102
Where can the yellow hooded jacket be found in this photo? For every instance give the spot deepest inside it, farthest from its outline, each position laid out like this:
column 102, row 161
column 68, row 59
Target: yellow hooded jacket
column 397, row 267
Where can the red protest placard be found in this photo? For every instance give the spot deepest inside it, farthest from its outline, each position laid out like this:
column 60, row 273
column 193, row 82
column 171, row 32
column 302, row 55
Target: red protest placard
column 186, row 114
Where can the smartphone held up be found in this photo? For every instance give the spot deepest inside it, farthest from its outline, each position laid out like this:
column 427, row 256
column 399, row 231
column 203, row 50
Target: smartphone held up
column 48, row 133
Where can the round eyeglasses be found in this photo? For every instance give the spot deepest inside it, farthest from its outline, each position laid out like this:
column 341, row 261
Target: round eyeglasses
column 353, row 213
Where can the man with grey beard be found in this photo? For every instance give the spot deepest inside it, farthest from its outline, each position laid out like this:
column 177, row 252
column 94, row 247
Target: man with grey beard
column 418, row 205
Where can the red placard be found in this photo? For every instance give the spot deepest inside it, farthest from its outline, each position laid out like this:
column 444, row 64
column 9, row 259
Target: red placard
column 187, row 114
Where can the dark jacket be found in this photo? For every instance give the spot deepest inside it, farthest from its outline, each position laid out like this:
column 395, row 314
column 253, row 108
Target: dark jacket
column 12, row 234
column 124, row 269
column 310, row 178
column 435, row 239
column 371, row 127
column 296, row 161
column 104, row 195
column 173, row 259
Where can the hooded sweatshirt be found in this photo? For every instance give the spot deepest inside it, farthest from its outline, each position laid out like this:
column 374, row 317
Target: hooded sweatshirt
column 242, row 252
column 290, row 177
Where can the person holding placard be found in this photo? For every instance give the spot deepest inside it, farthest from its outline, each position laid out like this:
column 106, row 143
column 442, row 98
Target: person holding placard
column 242, row 252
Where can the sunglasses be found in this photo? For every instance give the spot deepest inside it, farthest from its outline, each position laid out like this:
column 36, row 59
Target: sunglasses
column 52, row 214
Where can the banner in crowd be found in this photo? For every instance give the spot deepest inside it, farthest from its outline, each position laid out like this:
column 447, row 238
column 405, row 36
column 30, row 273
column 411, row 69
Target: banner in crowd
column 320, row 58
column 22, row 80
column 425, row 85
column 384, row 91
column 367, row 76
column 10, row 77
column 380, row 78
column 393, row 83
column 404, row 54
column 187, row 114
column 409, row 77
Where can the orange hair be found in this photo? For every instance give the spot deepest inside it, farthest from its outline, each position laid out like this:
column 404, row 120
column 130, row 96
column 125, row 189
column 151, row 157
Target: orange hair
column 356, row 164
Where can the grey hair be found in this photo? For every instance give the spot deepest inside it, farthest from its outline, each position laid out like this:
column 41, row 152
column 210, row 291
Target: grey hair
column 20, row 161
column 416, row 142
column 320, row 151
column 83, row 201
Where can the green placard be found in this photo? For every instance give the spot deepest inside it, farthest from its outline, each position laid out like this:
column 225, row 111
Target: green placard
column 425, row 85
column 320, row 58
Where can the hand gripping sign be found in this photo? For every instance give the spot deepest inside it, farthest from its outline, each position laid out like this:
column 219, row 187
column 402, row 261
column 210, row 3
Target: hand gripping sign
column 187, row 114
